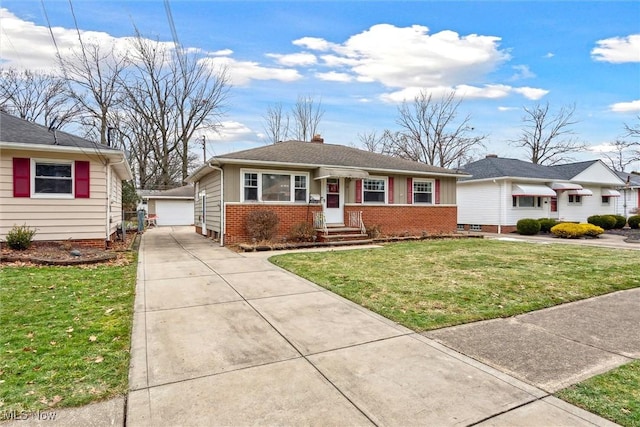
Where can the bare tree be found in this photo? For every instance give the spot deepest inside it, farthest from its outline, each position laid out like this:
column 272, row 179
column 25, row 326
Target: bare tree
column 633, row 130
column 37, row 97
column 548, row 137
column 276, row 125
column 430, row 133
column 306, row 116
column 94, row 77
column 623, row 154
column 174, row 96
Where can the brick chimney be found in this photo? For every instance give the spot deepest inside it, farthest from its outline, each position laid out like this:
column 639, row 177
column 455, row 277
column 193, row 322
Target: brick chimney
column 317, row 139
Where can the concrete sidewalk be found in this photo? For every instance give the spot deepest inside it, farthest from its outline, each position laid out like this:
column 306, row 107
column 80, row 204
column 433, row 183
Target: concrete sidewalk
column 222, row 338
column 227, row 339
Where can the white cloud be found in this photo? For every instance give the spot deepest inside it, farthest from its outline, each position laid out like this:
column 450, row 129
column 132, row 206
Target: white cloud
column 490, row 91
column 294, row 59
column 531, row 92
column 508, row 108
column 522, row 72
column 625, row 107
column 618, row 49
column 550, row 55
column 602, row 148
column 333, row 76
column 314, row 43
column 242, row 72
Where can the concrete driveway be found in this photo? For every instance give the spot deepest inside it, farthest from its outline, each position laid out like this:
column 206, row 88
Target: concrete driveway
column 222, row 338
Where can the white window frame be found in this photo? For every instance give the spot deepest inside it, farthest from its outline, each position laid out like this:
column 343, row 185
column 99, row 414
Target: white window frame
column 35, row 195
column 537, row 202
column 574, row 199
column 292, row 183
column 385, row 179
column 413, row 191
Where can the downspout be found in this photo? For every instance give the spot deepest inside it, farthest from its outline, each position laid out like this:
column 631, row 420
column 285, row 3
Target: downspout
column 109, row 167
column 222, row 216
column 499, row 206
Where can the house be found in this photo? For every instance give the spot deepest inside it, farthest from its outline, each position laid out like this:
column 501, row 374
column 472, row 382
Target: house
column 629, row 202
column 64, row 186
column 331, row 186
column 169, row 207
column 502, row 191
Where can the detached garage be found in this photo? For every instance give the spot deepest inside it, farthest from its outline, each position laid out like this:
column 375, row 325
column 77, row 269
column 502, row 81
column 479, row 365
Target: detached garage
column 171, row 207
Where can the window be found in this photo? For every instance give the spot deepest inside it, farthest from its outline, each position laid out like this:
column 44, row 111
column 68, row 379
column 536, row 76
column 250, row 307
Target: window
column 373, row 190
column 251, row 186
column 300, row 188
column 605, row 200
column 274, row 187
column 526, row 201
column 475, row 227
column 53, row 178
column 422, row 191
column 575, row 199
column 460, row 227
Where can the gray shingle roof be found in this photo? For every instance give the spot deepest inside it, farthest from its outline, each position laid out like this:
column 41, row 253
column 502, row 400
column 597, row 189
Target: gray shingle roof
column 634, row 178
column 178, row 192
column 320, row 154
column 496, row 167
column 16, row 130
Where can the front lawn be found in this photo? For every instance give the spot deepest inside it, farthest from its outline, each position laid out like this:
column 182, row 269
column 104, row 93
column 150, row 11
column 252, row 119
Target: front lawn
column 436, row 283
column 614, row 395
column 65, row 334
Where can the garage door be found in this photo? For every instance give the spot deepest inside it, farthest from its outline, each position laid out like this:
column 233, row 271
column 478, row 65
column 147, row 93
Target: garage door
column 174, row 212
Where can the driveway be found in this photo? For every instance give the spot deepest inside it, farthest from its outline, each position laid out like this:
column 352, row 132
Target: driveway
column 222, row 338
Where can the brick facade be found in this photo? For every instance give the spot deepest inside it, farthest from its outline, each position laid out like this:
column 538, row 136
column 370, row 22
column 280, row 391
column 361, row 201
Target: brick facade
column 409, row 220
column 488, row 228
column 391, row 220
column 289, row 215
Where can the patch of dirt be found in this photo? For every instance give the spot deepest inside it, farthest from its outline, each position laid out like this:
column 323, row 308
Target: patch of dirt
column 66, row 253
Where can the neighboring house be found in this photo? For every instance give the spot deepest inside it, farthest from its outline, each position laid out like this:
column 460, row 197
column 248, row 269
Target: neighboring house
column 502, row 191
column 170, row 207
column 331, row 186
column 64, row 186
column 629, row 201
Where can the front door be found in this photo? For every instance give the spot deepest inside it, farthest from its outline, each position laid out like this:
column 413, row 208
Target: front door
column 333, row 194
column 553, row 207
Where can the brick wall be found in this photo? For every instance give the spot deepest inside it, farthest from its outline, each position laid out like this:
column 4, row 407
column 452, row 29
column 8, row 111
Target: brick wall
column 488, row 228
column 392, row 220
column 289, row 215
column 408, row 220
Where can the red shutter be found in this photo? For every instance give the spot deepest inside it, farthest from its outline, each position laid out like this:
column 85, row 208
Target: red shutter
column 21, row 177
column 410, row 190
column 82, row 180
column 358, row 191
column 390, row 190
column 437, row 191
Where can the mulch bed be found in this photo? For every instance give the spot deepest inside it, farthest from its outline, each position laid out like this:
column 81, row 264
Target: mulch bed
column 60, row 253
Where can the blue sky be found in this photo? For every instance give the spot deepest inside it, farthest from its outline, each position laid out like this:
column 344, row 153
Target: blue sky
column 361, row 58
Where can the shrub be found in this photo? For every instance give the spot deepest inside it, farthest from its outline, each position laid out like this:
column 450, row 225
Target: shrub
column 302, row 232
column 546, row 224
column 634, row 221
column 20, row 237
column 621, row 221
column 373, row 231
column 528, row 226
column 570, row 230
column 606, row 222
column 262, row 224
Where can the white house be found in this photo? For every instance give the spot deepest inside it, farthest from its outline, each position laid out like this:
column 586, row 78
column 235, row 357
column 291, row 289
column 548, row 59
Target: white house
column 502, row 191
column 64, row 186
column 629, row 202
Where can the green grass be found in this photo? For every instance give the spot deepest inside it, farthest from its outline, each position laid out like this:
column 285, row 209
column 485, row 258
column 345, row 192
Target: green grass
column 614, row 395
column 65, row 334
column 436, row 283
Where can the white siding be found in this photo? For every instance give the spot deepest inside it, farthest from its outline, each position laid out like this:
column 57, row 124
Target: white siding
column 599, row 174
column 55, row 219
column 630, row 198
column 479, row 203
